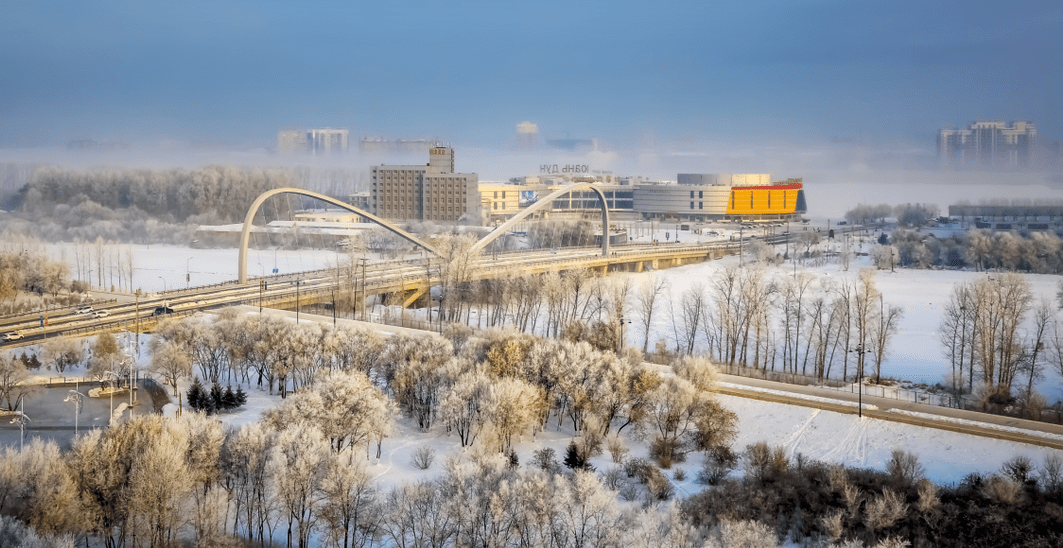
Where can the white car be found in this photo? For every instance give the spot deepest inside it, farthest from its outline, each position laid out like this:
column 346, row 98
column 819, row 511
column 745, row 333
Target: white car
column 12, row 336
column 100, row 314
column 83, row 310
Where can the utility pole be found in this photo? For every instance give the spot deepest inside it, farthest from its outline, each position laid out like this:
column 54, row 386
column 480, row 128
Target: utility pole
column 363, row 259
column 138, row 320
column 741, row 242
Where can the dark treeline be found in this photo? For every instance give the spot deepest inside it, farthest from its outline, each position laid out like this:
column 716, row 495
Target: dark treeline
column 1018, row 506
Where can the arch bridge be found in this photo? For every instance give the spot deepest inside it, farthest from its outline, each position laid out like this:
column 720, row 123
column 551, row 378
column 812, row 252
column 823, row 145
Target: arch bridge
column 245, row 235
column 478, row 247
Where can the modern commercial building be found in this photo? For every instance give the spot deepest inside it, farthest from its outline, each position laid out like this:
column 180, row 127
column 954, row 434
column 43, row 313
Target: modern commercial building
column 432, row 192
column 312, row 141
column 989, row 144
column 500, row 201
column 720, row 197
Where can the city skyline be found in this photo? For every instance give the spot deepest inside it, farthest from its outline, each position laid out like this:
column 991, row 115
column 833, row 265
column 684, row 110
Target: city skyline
column 235, row 74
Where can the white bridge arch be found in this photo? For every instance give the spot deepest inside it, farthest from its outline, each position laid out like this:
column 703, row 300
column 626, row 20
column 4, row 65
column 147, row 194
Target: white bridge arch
column 246, row 234
column 504, row 227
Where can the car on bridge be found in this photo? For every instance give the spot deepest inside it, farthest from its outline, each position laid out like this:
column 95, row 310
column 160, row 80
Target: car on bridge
column 83, row 310
column 162, row 311
column 12, row 336
column 100, row 314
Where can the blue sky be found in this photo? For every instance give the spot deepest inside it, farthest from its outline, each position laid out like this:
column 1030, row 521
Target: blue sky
column 236, row 72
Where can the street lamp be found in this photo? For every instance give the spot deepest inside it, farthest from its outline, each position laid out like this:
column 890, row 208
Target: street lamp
column 261, row 287
column 21, row 418
column 621, row 335
column 114, row 378
column 76, row 397
column 860, row 376
column 188, row 273
column 297, row 284
column 163, row 284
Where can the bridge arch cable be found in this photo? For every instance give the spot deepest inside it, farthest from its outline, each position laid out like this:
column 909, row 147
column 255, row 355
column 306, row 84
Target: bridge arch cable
column 544, row 203
column 249, row 217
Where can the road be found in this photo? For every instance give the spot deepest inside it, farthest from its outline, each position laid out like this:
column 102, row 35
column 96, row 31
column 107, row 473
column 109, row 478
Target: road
column 930, row 416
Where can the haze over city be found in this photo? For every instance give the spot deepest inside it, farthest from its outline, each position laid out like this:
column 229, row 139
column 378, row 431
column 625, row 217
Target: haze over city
column 683, row 77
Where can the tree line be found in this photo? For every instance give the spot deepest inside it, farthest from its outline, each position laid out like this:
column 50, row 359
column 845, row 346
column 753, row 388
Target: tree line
column 907, row 215
column 490, row 387
column 139, row 205
column 984, row 250
column 999, row 340
column 742, row 316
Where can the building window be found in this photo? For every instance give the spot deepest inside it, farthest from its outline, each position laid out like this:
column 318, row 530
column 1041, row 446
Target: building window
column 691, row 195
column 701, row 194
column 692, row 203
column 701, row 204
column 503, row 194
column 496, row 195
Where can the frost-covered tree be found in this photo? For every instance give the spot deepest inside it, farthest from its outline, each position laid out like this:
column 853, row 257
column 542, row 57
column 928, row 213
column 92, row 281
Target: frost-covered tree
column 298, row 463
column 350, row 509
column 513, row 407
column 347, row 408
column 247, row 478
column 13, row 377
column 62, row 352
column 462, row 406
column 172, row 362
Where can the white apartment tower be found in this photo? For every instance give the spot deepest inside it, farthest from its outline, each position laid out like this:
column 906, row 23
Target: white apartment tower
column 989, row 144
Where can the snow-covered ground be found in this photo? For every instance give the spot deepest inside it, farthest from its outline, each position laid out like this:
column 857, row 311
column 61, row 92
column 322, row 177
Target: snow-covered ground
column 816, row 434
column 820, row 435
column 916, row 353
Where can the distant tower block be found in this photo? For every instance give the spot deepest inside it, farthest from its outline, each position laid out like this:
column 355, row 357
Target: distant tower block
column 527, row 135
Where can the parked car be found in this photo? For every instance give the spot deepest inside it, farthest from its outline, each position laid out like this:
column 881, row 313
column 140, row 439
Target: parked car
column 83, row 310
column 12, row 336
column 100, row 314
column 162, row 311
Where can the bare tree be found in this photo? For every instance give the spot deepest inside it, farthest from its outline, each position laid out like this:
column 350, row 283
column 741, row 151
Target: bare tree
column 172, row 362
column 13, row 382
column 350, row 509
column 883, row 328
column 62, row 352
column 645, row 302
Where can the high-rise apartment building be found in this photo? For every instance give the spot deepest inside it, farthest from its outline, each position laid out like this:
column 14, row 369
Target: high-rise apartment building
column 312, row 141
column 432, row 192
column 989, row 144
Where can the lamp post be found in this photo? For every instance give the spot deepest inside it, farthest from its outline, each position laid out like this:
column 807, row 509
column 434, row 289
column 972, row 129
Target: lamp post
column 114, row 378
column 261, row 287
column 297, row 284
column 860, row 376
column 21, row 418
column 163, row 284
column 188, row 273
column 621, row 335
column 741, row 240
column 76, row 397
